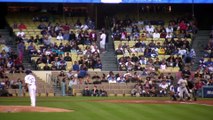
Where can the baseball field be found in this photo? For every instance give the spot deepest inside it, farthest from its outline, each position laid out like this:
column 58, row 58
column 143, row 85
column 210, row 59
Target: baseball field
column 106, row 108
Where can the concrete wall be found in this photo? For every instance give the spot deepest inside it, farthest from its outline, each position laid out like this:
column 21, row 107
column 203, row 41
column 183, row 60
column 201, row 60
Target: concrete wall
column 43, row 75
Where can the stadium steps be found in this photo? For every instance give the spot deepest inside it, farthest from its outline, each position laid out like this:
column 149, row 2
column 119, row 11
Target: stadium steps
column 199, row 43
column 27, row 64
column 109, row 61
column 5, row 33
column 10, row 42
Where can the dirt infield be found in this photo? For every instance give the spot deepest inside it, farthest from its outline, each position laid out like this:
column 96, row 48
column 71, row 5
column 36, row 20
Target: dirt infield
column 201, row 102
column 8, row 109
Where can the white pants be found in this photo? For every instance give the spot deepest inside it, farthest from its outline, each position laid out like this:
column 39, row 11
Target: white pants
column 182, row 91
column 102, row 45
column 32, row 92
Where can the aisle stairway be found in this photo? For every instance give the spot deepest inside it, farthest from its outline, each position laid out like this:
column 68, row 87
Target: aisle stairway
column 108, row 59
column 10, row 42
column 43, row 88
column 199, row 43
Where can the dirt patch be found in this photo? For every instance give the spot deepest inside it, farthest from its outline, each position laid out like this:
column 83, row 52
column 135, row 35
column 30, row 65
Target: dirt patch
column 202, row 102
column 8, row 109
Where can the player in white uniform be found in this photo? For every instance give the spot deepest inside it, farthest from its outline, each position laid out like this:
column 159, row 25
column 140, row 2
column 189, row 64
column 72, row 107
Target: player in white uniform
column 183, row 88
column 31, row 83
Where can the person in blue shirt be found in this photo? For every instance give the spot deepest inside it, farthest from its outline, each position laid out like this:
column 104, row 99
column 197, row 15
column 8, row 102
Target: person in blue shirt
column 75, row 66
column 98, row 65
column 81, row 74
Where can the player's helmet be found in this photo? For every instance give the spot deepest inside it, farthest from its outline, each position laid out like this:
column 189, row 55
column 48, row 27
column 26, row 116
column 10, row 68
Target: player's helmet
column 28, row 72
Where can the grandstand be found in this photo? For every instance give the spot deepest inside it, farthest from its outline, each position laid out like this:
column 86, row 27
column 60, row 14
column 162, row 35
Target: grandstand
column 133, row 54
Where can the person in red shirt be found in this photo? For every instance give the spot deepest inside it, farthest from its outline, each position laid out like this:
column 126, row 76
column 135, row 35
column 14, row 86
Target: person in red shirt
column 198, row 85
column 22, row 26
column 66, row 27
column 197, row 88
column 183, row 26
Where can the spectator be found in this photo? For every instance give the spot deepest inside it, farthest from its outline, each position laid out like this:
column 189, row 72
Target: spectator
column 60, row 37
column 72, row 82
column 20, row 34
column 75, row 66
column 163, row 88
column 103, row 41
column 46, row 67
column 22, row 26
column 156, row 34
column 95, row 91
column 86, row 91
column 20, row 87
column 20, row 48
column 98, row 65
column 63, row 87
column 67, row 57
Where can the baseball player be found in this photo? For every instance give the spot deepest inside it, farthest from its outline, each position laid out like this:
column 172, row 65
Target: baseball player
column 183, row 88
column 174, row 92
column 31, row 83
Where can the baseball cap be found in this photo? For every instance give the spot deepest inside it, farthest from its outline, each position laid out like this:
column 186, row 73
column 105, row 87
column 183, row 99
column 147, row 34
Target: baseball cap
column 28, row 71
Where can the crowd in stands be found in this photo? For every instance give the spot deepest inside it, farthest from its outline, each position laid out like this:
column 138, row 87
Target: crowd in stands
column 61, row 46
column 152, row 81
column 204, row 72
column 94, row 92
column 9, row 62
column 141, row 45
column 147, row 41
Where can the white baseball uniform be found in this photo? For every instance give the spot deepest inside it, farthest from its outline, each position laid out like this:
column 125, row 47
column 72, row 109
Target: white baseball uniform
column 31, row 81
column 182, row 88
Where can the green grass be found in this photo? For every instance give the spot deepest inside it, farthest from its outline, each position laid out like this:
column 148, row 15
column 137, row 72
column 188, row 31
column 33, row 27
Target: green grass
column 84, row 109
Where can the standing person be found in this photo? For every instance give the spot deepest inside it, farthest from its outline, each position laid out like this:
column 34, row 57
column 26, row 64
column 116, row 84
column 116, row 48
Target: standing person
column 31, row 83
column 103, row 41
column 63, row 87
column 183, row 88
column 190, row 87
column 72, row 82
column 20, row 87
column 173, row 90
column 20, row 48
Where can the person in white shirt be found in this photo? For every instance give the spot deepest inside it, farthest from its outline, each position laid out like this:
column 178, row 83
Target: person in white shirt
column 163, row 66
column 163, row 88
column 169, row 35
column 69, row 74
column 31, row 83
column 156, row 34
column 72, row 82
column 182, row 51
column 102, row 41
column 60, row 37
column 150, row 28
column 169, row 29
column 84, row 27
column 183, row 88
column 21, row 34
column 94, row 48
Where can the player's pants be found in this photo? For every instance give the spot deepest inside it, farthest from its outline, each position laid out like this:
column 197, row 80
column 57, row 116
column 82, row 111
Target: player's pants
column 32, row 92
column 183, row 90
